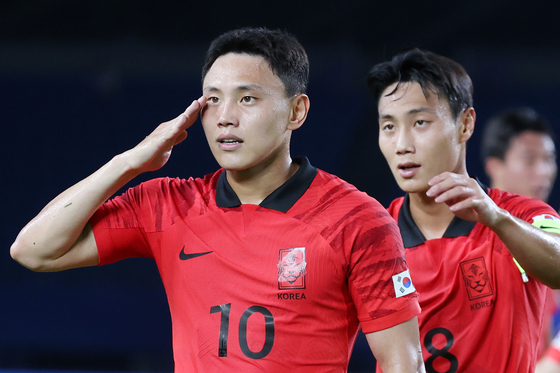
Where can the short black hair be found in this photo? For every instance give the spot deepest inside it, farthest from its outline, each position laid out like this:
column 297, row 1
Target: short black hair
column 285, row 55
column 433, row 72
column 504, row 126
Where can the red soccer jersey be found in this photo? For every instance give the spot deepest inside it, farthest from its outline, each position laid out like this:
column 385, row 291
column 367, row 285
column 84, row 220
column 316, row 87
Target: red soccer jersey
column 279, row 287
column 477, row 313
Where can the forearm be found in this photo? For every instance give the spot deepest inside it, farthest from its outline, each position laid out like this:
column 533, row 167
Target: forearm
column 397, row 349
column 414, row 364
column 54, row 231
column 537, row 251
column 405, row 367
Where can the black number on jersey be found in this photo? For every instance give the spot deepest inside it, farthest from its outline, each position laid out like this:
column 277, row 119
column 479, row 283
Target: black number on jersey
column 224, row 330
column 441, row 353
column 224, row 327
column 269, row 330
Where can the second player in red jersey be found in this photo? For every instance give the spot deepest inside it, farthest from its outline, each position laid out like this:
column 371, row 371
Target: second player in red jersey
column 480, row 258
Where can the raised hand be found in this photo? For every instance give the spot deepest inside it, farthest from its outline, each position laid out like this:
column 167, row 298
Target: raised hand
column 465, row 197
column 154, row 151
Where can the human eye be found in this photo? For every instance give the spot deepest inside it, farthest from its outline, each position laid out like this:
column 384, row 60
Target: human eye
column 248, row 99
column 387, row 126
column 213, row 100
column 420, row 122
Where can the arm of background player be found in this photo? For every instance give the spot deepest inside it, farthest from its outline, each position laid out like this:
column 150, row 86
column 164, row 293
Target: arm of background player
column 397, row 349
column 59, row 237
column 537, row 251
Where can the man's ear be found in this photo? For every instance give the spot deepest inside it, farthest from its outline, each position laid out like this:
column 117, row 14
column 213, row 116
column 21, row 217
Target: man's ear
column 298, row 114
column 467, row 119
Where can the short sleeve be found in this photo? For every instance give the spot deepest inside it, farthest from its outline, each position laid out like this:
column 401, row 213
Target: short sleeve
column 528, row 209
column 377, row 268
column 118, row 228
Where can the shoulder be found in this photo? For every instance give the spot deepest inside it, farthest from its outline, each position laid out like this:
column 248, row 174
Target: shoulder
column 395, row 207
column 333, row 204
column 331, row 190
column 504, row 198
column 520, row 206
column 167, row 188
column 162, row 198
column 176, row 184
column 348, row 218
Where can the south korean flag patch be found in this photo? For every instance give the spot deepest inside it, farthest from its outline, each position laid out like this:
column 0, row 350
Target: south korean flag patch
column 403, row 284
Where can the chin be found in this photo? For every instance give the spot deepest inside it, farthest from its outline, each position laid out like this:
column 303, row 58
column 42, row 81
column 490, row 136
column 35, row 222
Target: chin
column 412, row 186
column 233, row 165
column 229, row 162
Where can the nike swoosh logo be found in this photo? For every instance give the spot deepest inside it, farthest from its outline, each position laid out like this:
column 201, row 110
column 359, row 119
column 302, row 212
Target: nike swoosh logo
column 547, row 227
column 185, row 256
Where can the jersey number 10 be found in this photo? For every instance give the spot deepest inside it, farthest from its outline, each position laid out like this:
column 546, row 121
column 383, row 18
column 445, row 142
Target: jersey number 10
column 224, row 330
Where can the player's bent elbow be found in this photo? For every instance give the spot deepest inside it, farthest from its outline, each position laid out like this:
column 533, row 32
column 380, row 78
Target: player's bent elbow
column 25, row 256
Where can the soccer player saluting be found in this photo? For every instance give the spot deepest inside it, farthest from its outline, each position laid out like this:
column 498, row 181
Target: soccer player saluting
column 269, row 264
column 481, row 312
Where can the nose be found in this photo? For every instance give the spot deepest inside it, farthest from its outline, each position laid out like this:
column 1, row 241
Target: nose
column 404, row 141
column 228, row 114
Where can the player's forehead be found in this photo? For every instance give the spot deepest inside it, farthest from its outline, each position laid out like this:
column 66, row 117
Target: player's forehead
column 407, row 98
column 533, row 140
column 240, row 69
column 530, row 145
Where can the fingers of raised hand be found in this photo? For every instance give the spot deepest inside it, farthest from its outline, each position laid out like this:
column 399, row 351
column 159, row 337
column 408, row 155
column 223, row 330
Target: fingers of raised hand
column 173, row 132
column 444, row 182
column 192, row 111
column 464, row 204
column 175, row 129
column 453, row 194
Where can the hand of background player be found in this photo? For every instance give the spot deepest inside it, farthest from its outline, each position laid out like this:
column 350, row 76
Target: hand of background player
column 154, row 151
column 465, row 198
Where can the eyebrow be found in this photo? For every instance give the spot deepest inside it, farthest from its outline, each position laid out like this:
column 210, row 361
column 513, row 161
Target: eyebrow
column 241, row 88
column 410, row 112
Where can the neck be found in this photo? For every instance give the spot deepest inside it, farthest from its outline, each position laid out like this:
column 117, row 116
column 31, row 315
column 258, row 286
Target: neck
column 432, row 218
column 253, row 185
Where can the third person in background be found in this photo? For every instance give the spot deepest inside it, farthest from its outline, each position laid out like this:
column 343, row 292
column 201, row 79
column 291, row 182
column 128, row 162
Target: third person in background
column 519, row 156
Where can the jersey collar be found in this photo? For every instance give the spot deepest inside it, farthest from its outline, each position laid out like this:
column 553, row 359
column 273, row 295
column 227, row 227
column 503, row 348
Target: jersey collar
column 282, row 199
column 411, row 234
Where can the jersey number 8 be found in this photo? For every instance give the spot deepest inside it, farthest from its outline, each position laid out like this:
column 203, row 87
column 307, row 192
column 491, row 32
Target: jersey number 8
column 442, row 353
